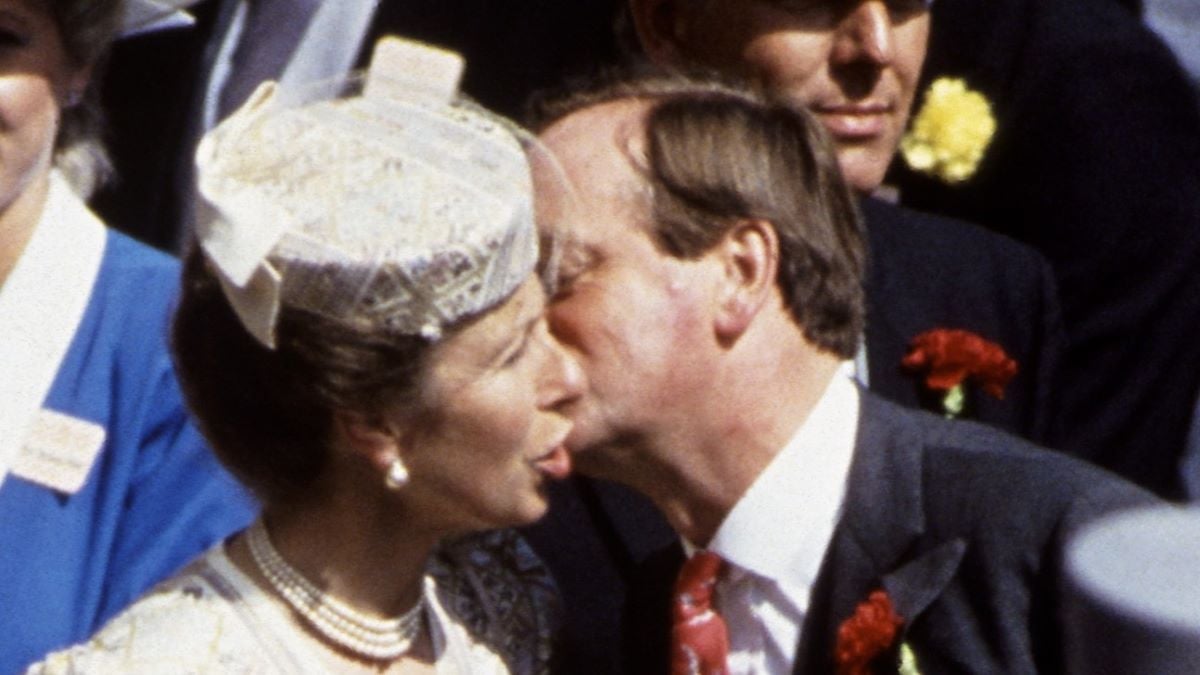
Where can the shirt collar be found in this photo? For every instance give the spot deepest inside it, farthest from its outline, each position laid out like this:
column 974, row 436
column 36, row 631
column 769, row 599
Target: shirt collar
column 782, row 526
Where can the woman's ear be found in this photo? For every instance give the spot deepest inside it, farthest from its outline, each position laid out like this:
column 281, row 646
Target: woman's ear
column 368, row 437
column 749, row 256
column 661, row 27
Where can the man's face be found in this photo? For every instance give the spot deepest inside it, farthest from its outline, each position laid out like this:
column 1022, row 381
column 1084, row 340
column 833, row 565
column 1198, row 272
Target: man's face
column 632, row 315
column 855, row 63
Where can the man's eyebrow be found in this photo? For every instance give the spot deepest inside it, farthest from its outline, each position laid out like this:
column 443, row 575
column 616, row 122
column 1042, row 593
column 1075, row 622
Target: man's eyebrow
column 579, row 251
column 579, row 257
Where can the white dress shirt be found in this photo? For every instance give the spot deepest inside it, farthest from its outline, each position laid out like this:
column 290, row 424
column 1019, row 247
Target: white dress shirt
column 776, row 536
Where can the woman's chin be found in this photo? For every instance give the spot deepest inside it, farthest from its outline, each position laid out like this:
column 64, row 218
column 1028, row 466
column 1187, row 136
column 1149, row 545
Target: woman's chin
column 530, row 509
column 533, row 509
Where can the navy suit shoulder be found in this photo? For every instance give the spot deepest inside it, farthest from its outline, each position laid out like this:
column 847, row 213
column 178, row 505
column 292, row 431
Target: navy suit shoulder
column 1035, row 481
column 964, row 527
column 927, row 271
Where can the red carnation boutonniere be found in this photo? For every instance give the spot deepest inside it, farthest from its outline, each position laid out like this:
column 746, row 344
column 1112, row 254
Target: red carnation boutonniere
column 869, row 634
column 950, row 357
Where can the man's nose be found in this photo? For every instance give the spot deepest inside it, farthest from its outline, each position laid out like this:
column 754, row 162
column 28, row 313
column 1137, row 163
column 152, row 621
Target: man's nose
column 866, row 34
column 563, row 378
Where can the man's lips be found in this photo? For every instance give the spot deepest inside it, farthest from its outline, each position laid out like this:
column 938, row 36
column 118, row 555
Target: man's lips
column 855, row 121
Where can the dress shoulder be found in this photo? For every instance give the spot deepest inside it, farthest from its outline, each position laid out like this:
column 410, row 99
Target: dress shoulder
column 503, row 595
column 187, row 624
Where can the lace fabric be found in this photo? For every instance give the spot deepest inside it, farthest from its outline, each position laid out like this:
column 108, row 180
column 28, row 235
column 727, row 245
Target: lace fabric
column 374, row 200
column 495, row 601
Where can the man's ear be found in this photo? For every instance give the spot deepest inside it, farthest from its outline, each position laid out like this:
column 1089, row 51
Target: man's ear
column 749, row 256
column 368, row 437
column 661, row 27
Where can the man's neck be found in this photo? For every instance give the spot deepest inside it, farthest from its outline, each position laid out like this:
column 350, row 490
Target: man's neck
column 697, row 486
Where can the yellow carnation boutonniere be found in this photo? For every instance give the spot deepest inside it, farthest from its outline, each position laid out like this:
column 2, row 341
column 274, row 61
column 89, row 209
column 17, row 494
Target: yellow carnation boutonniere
column 950, row 133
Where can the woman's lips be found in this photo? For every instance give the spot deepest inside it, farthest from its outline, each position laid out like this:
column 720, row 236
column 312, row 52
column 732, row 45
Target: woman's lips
column 556, row 463
column 854, row 122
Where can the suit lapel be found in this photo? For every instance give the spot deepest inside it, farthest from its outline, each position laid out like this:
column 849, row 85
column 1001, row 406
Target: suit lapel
column 915, row 585
column 878, row 542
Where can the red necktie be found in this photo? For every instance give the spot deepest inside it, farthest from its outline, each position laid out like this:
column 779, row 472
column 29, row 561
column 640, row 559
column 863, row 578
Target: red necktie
column 699, row 642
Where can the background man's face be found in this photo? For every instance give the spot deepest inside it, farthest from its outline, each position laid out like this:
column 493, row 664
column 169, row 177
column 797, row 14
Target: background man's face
column 855, row 63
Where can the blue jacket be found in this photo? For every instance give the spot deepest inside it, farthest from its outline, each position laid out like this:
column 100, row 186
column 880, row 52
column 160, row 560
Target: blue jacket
column 155, row 496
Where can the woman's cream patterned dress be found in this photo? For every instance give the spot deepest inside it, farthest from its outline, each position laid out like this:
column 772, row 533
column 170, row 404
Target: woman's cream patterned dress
column 492, row 609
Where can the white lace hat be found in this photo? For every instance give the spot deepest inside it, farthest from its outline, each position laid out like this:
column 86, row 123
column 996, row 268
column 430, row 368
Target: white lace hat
column 385, row 201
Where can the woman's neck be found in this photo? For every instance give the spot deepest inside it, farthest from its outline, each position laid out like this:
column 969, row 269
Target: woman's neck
column 19, row 219
column 362, row 553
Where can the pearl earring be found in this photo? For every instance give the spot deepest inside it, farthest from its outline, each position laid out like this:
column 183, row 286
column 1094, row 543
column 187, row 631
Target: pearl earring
column 397, row 475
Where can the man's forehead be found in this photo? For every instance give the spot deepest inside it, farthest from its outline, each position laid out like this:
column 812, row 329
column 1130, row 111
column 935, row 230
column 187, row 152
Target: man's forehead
column 599, row 134
column 592, row 159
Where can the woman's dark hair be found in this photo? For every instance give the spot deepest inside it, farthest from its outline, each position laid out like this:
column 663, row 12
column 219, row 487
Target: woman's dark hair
column 88, row 29
column 269, row 414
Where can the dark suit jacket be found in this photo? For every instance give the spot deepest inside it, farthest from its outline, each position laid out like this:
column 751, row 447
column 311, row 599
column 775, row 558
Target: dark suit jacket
column 926, row 272
column 963, row 526
column 1095, row 163
column 155, row 84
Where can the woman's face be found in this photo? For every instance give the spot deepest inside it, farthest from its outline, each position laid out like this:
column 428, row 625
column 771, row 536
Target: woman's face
column 36, row 77
column 494, row 429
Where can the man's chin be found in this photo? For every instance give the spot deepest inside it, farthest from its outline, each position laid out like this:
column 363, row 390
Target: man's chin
column 863, row 167
column 599, row 461
column 588, row 461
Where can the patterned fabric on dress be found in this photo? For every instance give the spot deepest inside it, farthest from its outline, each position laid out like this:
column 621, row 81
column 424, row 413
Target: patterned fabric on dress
column 491, row 602
column 500, row 590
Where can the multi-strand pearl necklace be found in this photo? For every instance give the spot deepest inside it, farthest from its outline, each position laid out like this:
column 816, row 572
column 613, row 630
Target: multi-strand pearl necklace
column 377, row 639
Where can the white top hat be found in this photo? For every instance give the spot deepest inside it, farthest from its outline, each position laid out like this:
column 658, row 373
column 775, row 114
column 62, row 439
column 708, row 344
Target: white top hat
column 384, row 201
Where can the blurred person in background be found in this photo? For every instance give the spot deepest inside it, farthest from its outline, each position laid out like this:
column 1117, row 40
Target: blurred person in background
column 171, row 86
column 856, row 66
column 105, row 486
column 1094, row 163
